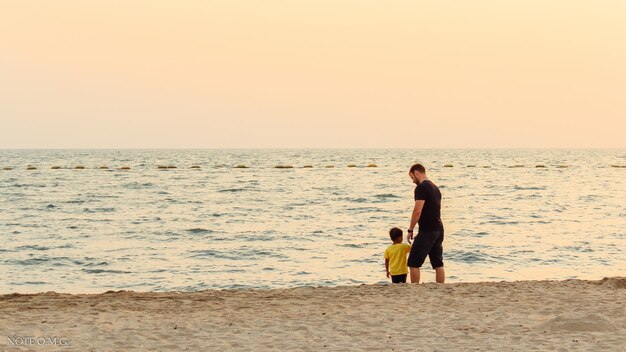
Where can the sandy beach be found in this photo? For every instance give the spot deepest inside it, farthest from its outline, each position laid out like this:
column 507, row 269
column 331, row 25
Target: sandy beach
column 491, row 316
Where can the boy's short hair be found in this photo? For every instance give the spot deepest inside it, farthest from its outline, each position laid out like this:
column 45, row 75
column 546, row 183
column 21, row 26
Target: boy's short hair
column 395, row 233
column 417, row 167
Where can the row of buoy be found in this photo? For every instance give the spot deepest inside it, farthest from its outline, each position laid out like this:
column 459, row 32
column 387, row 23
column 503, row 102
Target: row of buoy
column 241, row 166
column 168, row 167
column 75, row 168
column 304, row 167
column 539, row 166
column 327, row 166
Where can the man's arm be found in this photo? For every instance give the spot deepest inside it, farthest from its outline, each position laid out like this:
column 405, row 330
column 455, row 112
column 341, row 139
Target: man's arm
column 417, row 211
column 387, row 266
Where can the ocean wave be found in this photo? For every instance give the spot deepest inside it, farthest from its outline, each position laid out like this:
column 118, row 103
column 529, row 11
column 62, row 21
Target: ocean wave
column 89, row 261
column 386, row 195
column 579, row 249
column 138, row 185
column 44, row 260
column 34, row 283
column 501, row 222
column 245, row 253
column 105, row 271
column 529, row 188
column 34, row 247
column 355, row 200
column 366, row 260
column 75, row 201
column 233, row 190
column 360, row 210
column 26, row 185
column 199, row 230
column 385, row 198
column 469, row 256
column 98, row 210
column 350, row 245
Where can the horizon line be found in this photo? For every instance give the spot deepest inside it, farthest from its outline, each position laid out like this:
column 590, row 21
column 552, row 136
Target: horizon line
column 293, row 148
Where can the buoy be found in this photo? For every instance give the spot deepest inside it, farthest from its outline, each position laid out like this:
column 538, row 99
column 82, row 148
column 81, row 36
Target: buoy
column 79, row 167
column 486, row 167
column 352, row 165
column 241, row 167
column 55, row 167
column 330, row 166
column 307, row 166
column 562, row 166
column 125, row 168
column 31, row 168
column 540, row 166
column 283, row 167
column 448, row 165
column 171, row 167
column 195, row 167
column 7, row 168
column 162, row 167
column 471, row 166
column 372, row 165
column 103, row 167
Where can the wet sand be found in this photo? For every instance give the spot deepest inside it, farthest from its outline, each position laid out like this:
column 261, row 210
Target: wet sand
column 570, row 315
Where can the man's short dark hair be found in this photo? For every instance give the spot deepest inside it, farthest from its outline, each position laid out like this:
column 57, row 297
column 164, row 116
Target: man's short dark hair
column 394, row 233
column 417, row 167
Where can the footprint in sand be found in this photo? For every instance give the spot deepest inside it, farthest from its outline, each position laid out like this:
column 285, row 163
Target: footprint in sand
column 579, row 322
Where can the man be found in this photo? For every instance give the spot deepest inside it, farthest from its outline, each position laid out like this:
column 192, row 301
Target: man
column 426, row 213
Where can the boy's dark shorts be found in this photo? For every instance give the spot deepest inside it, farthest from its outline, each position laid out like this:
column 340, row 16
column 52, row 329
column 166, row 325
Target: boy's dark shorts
column 427, row 243
column 396, row 279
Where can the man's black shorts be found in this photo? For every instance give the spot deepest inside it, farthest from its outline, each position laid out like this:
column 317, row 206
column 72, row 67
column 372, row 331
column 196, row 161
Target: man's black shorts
column 397, row 279
column 427, row 243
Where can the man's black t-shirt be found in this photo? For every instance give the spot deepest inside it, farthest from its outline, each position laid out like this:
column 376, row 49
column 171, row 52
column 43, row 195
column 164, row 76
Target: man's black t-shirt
column 430, row 219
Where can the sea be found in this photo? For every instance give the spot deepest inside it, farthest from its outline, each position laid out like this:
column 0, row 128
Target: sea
column 94, row 220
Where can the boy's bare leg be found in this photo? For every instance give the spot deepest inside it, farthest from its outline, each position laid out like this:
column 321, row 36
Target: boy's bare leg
column 440, row 275
column 415, row 275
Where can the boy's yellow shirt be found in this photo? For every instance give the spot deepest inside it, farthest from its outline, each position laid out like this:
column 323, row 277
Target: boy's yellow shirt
column 396, row 253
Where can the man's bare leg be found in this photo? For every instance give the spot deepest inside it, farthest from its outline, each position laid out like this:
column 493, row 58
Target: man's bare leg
column 440, row 275
column 415, row 275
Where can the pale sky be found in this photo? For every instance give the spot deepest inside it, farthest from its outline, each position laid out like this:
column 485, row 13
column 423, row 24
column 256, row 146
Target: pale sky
column 318, row 73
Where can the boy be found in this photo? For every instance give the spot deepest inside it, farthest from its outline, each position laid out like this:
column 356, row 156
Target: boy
column 395, row 257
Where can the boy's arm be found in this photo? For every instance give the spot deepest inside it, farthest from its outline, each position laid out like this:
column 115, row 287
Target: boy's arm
column 387, row 266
